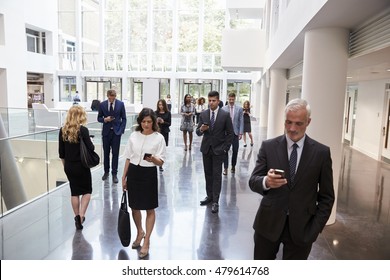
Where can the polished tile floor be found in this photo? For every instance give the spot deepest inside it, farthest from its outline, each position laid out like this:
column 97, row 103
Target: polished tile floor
column 184, row 230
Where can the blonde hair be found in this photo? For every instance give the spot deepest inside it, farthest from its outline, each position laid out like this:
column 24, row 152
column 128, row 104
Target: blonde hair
column 75, row 117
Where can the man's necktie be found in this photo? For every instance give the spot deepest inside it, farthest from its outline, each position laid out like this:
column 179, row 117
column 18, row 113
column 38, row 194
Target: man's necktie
column 111, row 110
column 212, row 120
column 293, row 162
column 231, row 112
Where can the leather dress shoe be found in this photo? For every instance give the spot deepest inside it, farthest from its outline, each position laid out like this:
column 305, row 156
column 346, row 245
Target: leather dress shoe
column 115, row 179
column 225, row 171
column 105, row 176
column 215, row 208
column 205, row 201
column 233, row 170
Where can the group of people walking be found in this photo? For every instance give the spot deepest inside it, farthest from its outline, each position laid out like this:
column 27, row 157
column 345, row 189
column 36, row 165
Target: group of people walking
column 293, row 172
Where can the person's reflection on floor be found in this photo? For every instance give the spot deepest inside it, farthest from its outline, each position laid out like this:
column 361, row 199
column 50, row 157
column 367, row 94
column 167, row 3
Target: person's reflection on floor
column 230, row 214
column 162, row 211
column 209, row 248
column 184, row 182
column 122, row 255
column 81, row 249
column 109, row 240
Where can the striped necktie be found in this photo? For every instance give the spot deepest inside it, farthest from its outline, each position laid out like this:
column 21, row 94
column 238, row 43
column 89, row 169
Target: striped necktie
column 212, row 120
column 293, row 162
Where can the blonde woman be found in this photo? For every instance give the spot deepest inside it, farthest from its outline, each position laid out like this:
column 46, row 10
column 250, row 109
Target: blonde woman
column 79, row 177
column 246, row 108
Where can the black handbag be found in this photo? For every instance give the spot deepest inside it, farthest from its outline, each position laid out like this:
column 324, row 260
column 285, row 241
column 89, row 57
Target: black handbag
column 124, row 230
column 89, row 158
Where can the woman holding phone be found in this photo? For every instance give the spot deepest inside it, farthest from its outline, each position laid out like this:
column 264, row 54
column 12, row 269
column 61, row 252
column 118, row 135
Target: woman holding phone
column 144, row 151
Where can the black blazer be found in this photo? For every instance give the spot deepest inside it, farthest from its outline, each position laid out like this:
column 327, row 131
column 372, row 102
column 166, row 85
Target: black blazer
column 167, row 117
column 220, row 137
column 71, row 151
column 308, row 202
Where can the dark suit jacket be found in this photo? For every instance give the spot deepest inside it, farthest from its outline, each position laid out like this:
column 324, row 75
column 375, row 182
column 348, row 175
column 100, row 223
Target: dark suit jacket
column 119, row 124
column 220, row 137
column 309, row 201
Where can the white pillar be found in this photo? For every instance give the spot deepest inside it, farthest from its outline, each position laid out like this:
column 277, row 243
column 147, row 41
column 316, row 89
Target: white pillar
column 255, row 99
column 277, row 102
column 323, row 86
column 264, row 102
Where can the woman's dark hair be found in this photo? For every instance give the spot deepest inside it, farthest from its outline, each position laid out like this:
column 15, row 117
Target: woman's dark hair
column 164, row 103
column 147, row 112
column 185, row 96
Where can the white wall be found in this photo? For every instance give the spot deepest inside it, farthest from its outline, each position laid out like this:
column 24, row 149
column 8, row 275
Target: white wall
column 15, row 59
column 243, row 49
column 290, row 25
column 150, row 93
column 369, row 114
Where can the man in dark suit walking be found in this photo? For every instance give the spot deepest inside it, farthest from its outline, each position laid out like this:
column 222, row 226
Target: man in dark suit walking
column 216, row 127
column 113, row 116
column 297, row 204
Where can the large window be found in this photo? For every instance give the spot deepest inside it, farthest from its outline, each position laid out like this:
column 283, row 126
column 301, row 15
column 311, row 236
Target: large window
column 242, row 89
column 114, row 35
column 162, row 35
column 67, row 88
column 36, row 41
column 141, row 36
column 90, row 33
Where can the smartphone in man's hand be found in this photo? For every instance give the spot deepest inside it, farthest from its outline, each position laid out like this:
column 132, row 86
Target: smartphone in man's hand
column 279, row 172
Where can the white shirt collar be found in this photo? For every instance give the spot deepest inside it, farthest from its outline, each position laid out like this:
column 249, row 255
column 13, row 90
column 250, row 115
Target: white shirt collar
column 291, row 142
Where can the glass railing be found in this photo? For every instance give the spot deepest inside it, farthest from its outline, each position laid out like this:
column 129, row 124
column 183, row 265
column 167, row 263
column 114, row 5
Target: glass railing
column 29, row 162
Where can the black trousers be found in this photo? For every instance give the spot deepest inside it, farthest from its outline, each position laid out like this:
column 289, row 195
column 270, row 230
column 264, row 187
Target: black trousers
column 111, row 142
column 212, row 165
column 235, row 146
column 267, row 250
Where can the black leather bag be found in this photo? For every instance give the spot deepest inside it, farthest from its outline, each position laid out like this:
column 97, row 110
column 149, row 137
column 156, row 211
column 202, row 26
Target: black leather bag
column 124, row 230
column 89, row 158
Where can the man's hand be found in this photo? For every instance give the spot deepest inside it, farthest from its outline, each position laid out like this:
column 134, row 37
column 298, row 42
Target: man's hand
column 273, row 180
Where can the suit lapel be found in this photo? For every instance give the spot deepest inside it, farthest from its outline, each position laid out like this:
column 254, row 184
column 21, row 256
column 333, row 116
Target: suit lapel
column 281, row 153
column 306, row 158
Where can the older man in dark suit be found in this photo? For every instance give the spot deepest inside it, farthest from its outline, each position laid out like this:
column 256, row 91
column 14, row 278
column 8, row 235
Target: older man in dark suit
column 112, row 114
column 216, row 127
column 294, row 175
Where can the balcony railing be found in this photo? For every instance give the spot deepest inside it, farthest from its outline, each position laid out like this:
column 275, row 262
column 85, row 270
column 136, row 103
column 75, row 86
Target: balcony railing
column 29, row 162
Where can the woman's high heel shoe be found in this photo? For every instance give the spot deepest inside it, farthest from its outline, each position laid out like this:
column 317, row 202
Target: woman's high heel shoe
column 143, row 253
column 136, row 243
column 78, row 224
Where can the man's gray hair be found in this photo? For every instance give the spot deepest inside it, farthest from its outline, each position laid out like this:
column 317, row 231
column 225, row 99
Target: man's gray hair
column 298, row 104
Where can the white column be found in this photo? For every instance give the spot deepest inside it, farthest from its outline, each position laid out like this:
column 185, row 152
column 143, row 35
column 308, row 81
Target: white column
column 256, row 99
column 323, row 86
column 277, row 102
column 79, row 49
column 264, row 102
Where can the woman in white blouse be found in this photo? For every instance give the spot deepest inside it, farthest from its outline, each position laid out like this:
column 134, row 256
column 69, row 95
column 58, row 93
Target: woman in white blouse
column 144, row 151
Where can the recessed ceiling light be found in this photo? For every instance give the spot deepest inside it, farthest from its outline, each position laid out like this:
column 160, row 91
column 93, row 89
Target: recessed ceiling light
column 349, row 77
column 388, row 70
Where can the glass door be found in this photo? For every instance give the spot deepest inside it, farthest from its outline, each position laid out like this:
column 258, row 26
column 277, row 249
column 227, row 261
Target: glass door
column 350, row 115
column 97, row 90
column 386, row 126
